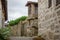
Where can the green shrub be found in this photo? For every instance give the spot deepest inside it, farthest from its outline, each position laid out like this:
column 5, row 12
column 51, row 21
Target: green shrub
column 4, row 33
column 16, row 21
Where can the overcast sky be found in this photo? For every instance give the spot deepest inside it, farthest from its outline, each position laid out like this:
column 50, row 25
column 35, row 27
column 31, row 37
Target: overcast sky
column 17, row 8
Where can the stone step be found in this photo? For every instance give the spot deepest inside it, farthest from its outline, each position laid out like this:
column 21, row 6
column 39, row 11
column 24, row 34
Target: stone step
column 21, row 38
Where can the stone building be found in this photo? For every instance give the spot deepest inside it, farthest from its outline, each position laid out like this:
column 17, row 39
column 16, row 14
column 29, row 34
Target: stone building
column 49, row 19
column 32, row 20
column 3, row 12
column 29, row 27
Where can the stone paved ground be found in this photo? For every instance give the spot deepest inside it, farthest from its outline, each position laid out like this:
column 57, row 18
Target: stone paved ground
column 21, row 38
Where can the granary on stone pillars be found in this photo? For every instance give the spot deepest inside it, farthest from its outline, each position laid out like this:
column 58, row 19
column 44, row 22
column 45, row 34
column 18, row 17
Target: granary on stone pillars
column 3, row 12
column 32, row 28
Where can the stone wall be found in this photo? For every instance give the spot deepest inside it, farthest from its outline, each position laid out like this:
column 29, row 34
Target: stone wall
column 48, row 20
column 0, row 14
column 16, row 29
column 3, row 12
column 32, row 28
column 25, row 28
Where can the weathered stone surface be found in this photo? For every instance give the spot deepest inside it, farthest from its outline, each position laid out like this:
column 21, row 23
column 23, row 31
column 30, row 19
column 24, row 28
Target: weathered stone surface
column 3, row 12
column 48, row 19
column 17, row 29
column 1, row 15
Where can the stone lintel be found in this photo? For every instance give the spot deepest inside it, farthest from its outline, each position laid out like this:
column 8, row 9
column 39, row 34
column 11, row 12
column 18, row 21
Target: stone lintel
column 30, row 2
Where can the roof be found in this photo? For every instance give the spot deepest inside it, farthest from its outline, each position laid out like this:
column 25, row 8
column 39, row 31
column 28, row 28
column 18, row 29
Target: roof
column 30, row 2
column 4, row 7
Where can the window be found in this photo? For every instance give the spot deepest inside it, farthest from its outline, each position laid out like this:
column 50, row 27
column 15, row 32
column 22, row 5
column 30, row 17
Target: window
column 57, row 2
column 49, row 3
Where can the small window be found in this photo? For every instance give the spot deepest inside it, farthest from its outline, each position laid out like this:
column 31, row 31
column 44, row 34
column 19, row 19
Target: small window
column 57, row 2
column 49, row 3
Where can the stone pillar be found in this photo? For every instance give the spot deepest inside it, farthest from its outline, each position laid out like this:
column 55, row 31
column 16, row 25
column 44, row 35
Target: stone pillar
column 3, row 18
column 32, row 10
column 0, row 14
column 19, row 29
